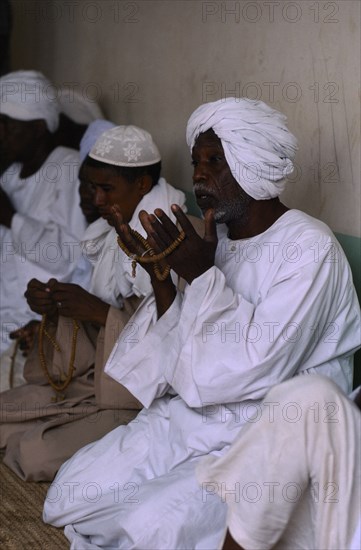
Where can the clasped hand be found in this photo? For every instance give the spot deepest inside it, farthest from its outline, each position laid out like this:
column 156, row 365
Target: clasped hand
column 66, row 299
column 193, row 257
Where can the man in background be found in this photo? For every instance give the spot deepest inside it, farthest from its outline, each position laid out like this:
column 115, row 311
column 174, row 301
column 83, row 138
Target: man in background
column 41, row 222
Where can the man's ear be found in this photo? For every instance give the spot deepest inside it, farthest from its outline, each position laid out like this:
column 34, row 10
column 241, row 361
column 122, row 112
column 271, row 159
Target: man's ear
column 144, row 184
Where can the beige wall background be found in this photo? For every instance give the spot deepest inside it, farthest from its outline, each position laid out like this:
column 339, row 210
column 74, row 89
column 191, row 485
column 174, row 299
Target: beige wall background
column 152, row 62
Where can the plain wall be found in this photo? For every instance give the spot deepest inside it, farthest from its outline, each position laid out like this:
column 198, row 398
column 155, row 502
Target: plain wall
column 151, row 63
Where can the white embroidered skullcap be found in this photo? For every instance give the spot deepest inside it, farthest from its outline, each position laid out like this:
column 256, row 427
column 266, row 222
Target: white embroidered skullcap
column 28, row 95
column 78, row 107
column 126, row 146
column 92, row 133
column 258, row 147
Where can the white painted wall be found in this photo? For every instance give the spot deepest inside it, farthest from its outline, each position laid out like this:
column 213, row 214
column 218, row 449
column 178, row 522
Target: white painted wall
column 151, row 62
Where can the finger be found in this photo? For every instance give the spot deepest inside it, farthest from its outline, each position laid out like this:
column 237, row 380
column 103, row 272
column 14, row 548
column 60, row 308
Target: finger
column 35, row 283
column 183, row 220
column 34, row 324
column 160, row 233
column 145, row 220
column 116, row 216
column 158, row 237
column 167, row 224
column 148, row 223
column 129, row 240
column 22, row 345
column 210, row 228
column 15, row 334
column 62, row 295
column 41, row 309
column 36, row 295
column 50, row 285
column 68, row 288
column 40, row 302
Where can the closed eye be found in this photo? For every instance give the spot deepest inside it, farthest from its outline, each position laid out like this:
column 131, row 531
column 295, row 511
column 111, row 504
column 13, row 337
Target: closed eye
column 216, row 158
column 104, row 188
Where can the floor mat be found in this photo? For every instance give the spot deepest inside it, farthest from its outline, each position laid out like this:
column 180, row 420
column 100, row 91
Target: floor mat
column 21, row 506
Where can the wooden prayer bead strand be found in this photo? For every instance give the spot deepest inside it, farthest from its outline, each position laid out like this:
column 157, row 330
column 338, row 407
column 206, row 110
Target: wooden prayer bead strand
column 152, row 258
column 66, row 379
column 12, row 364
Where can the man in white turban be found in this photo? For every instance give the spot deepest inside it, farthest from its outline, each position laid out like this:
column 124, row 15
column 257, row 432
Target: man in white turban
column 259, row 308
column 40, row 217
column 68, row 400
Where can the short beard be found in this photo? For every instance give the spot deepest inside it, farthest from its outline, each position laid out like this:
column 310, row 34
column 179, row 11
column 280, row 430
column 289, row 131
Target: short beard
column 227, row 211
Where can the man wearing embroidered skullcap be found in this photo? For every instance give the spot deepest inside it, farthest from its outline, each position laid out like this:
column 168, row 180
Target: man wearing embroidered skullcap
column 40, row 217
column 68, row 400
column 259, row 308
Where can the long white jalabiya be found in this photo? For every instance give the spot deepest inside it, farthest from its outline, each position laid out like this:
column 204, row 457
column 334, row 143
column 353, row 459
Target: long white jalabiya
column 28, row 95
column 258, row 147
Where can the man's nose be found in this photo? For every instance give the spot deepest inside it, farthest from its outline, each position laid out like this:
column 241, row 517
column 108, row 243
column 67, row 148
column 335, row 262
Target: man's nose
column 98, row 197
column 199, row 173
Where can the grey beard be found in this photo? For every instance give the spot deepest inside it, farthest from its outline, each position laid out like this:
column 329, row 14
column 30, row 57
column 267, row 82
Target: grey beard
column 227, row 211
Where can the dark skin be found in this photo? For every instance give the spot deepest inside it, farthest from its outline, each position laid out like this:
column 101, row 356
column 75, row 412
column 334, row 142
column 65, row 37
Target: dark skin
column 26, row 336
column 195, row 255
column 69, row 133
column 230, row 543
column 86, row 202
column 77, row 303
column 111, row 189
column 26, row 142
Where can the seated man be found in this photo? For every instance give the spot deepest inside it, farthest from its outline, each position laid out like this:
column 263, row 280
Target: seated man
column 79, row 327
column 12, row 362
column 292, row 477
column 258, row 309
column 40, row 217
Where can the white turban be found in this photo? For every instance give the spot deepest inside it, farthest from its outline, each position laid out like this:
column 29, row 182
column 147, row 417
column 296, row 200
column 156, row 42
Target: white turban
column 78, row 107
column 258, row 147
column 28, row 95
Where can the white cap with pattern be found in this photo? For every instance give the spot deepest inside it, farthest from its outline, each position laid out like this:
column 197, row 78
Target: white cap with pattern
column 126, row 146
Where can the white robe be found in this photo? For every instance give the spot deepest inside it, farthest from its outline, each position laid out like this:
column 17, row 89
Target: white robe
column 279, row 304
column 43, row 240
column 293, row 478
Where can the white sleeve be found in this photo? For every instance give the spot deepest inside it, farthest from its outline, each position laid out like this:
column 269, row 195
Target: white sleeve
column 232, row 350
column 52, row 243
column 144, row 348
